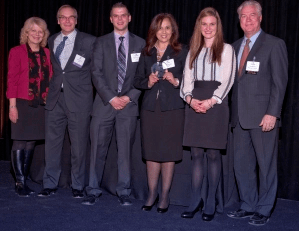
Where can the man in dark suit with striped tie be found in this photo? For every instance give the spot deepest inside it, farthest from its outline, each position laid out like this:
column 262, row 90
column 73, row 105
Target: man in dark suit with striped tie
column 257, row 98
column 69, row 102
column 114, row 63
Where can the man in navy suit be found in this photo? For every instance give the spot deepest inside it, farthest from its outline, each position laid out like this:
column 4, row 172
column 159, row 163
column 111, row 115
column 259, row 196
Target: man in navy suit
column 69, row 102
column 257, row 98
column 114, row 63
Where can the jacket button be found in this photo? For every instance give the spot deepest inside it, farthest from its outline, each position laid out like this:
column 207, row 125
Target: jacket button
column 63, row 72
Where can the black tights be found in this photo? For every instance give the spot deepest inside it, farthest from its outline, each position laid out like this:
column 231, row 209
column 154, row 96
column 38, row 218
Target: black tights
column 23, row 145
column 214, row 169
column 153, row 172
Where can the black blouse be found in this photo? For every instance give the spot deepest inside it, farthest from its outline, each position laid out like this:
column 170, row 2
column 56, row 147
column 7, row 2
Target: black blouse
column 169, row 95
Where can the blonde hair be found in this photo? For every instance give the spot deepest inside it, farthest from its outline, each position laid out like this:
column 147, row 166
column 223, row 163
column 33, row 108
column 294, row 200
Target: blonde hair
column 28, row 25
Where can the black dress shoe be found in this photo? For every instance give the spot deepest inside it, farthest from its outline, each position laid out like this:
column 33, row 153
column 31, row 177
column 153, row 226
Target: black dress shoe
column 207, row 217
column 124, row 200
column 162, row 210
column 90, row 200
column 149, row 208
column 190, row 214
column 258, row 219
column 47, row 192
column 240, row 213
column 77, row 193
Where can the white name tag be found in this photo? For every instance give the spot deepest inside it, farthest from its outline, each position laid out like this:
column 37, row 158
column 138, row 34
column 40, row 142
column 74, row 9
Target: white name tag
column 252, row 66
column 135, row 57
column 79, row 61
column 168, row 64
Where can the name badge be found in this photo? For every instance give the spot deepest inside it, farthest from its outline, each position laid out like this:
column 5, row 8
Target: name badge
column 252, row 67
column 79, row 61
column 135, row 57
column 167, row 64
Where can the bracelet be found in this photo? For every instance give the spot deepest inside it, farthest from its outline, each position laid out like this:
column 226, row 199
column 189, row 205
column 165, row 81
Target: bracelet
column 12, row 107
column 190, row 101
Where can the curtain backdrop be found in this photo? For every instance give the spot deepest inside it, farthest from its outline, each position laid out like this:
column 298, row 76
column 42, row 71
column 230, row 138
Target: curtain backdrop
column 280, row 18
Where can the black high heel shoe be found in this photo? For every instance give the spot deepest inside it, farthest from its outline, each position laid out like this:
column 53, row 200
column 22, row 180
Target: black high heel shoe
column 149, row 208
column 207, row 217
column 190, row 214
column 163, row 210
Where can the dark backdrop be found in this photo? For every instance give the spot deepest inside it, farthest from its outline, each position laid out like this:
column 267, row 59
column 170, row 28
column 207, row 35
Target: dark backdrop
column 280, row 18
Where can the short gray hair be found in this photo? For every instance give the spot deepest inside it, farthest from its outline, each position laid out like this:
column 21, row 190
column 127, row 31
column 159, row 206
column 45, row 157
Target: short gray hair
column 66, row 6
column 250, row 3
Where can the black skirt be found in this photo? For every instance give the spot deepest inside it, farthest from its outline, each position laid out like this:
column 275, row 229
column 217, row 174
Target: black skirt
column 30, row 124
column 207, row 130
column 162, row 134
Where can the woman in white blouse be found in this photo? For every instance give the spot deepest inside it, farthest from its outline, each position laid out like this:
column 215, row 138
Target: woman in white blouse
column 209, row 75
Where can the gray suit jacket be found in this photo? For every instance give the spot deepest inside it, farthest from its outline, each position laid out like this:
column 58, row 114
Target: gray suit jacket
column 105, row 72
column 76, row 81
column 254, row 96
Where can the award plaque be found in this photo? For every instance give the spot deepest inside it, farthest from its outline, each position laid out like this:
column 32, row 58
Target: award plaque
column 158, row 67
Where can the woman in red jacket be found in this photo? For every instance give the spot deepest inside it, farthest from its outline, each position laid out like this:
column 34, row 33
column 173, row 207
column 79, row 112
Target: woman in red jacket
column 29, row 73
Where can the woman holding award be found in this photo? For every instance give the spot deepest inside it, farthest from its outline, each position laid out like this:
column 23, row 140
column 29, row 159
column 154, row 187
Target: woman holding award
column 29, row 73
column 209, row 76
column 159, row 75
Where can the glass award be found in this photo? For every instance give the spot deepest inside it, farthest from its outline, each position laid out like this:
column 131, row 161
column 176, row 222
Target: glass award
column 158, row 67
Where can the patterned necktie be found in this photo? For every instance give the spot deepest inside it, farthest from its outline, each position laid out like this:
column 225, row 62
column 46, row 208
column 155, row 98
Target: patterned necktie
column 121, row 64
column 59, row 48
column 244, row 57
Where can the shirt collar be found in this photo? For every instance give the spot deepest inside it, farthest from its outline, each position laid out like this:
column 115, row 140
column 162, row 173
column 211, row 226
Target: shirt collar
column 70, row 37
column 116, row 36
column 252, row 38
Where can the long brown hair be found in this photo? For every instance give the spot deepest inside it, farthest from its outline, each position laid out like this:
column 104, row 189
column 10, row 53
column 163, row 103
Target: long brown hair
column 197, row 40
column 155, row 27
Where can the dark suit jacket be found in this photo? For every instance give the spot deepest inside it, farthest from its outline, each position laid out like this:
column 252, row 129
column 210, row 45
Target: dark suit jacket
column 254, row 96
column 77, row 86
column 169, row 95
column 105, row 72
column 18, row 72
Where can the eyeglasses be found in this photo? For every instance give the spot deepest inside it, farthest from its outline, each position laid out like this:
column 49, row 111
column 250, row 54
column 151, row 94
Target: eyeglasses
column 70, row 18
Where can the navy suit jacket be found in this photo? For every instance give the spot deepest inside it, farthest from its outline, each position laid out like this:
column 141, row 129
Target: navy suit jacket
column 254, row 96
column 77, row 85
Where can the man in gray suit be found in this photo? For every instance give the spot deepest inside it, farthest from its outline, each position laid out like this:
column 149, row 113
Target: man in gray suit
column 69, row 102
column 257, row 99
column 114, row 63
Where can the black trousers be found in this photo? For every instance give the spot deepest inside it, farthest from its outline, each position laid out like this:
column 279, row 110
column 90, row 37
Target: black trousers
column 101, row 130
column 252, row 147
column 78, row 124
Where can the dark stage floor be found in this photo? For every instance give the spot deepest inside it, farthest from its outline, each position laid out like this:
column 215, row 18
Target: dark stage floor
column 62, row 212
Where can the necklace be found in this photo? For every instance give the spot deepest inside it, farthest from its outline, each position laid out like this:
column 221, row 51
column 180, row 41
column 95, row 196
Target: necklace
column 159, row 52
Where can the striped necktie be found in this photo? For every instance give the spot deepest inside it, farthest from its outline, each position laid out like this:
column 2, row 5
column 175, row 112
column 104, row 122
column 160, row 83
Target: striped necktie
column 59, row 48
column 121, row 64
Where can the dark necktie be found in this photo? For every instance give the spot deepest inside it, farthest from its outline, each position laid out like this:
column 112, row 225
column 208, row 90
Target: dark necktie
column 59, row 48
column 121, row 64
column 244, row 57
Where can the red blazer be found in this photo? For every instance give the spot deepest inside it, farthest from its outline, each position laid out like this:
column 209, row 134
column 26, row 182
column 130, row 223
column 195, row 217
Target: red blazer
column 18, row 72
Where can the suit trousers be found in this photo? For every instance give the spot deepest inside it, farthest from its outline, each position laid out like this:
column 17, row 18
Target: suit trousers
column 252, row 147
column 101, row 133
column 78, row 127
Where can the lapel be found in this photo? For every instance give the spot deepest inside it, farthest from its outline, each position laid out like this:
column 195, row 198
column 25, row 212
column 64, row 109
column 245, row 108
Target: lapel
column 256, row 47
column 51, row 47
column 131, row 50
column 76, row 49
column 111, row 47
